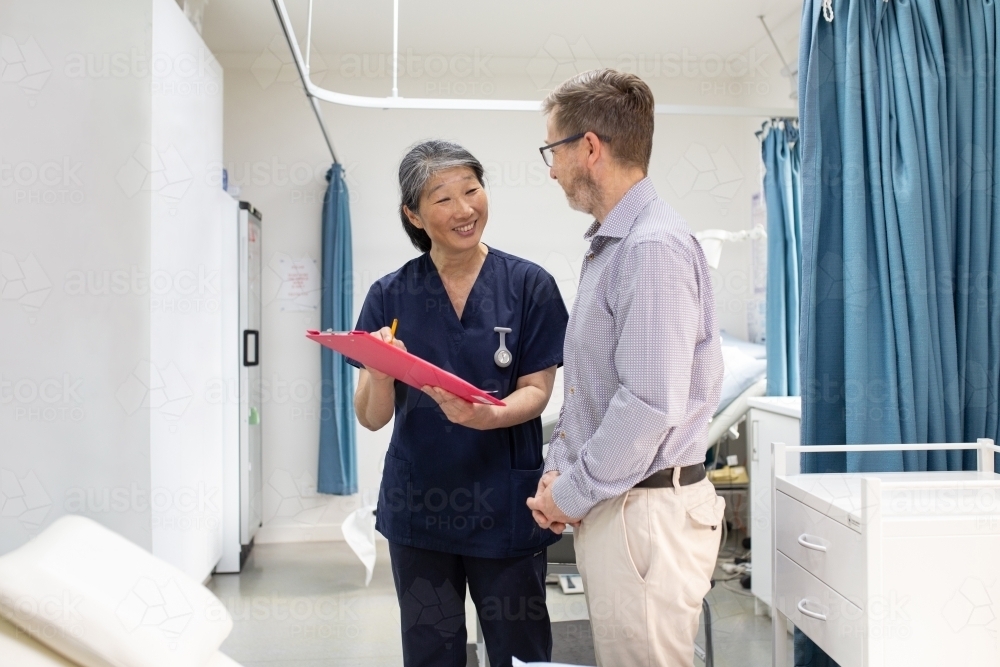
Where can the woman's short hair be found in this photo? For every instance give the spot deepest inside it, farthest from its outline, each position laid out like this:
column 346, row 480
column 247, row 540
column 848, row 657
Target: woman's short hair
column 418, row 166
column 616, row 106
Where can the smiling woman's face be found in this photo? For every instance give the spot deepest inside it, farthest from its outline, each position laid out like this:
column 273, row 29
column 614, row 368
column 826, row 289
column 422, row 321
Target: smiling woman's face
column 453, row 210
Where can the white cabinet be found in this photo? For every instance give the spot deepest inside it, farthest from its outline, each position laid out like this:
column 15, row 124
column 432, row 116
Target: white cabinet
column 888, row 569
column 771, row 419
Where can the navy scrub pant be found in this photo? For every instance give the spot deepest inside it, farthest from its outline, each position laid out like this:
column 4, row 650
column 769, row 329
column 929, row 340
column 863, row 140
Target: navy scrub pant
column 509, row 594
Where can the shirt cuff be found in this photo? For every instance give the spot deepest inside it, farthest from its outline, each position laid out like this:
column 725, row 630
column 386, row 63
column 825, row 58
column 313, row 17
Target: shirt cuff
column 615, row 458
column 570, row 500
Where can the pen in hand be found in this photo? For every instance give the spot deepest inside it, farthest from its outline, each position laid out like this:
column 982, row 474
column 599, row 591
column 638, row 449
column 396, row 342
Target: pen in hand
column 392, row 331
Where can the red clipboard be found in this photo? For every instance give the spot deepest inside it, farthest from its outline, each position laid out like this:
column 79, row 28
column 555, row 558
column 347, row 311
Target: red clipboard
column 375, row 353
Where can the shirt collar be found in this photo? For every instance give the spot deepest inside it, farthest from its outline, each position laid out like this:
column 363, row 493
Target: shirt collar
column 624, row 214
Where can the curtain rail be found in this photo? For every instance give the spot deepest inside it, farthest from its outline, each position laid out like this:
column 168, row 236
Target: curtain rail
column 315, row 92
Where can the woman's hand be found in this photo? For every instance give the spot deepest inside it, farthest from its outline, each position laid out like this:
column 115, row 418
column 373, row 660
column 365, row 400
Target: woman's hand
column 459, row 411
column 384, row 334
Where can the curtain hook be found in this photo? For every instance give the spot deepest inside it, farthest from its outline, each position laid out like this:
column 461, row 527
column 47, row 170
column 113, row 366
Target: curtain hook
column 828, row 10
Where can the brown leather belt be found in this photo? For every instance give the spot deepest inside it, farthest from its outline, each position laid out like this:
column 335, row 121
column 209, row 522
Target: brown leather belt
column 664, row 479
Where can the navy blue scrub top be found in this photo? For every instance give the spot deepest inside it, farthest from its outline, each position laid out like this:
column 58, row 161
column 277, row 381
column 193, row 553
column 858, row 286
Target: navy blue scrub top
column 446, row 487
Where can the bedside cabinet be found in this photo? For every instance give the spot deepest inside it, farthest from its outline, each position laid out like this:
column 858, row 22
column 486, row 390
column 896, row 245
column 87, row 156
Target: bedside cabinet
column 771, row 419
column 888, row 569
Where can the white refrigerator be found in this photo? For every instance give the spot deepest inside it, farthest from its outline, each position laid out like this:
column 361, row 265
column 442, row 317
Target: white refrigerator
column 241, row 285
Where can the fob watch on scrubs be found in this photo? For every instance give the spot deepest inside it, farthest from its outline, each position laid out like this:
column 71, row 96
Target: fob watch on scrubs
column 502, row 357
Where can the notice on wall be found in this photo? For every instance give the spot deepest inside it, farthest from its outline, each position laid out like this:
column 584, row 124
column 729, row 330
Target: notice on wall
column 757, row 303
column 299, row 287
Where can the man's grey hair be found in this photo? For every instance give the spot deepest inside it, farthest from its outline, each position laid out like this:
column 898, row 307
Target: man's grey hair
column 417, row 168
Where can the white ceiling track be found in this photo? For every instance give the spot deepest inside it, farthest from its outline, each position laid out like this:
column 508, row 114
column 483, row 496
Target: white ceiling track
column 394, row 101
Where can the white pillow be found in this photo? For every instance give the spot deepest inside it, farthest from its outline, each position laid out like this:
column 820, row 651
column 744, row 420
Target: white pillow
column 102, row 601
column 17, row 648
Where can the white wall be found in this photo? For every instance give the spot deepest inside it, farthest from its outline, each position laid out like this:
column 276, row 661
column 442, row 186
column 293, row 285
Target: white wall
column 705, row 167
column 69, row 338
column 186, row 253
column 109, row 282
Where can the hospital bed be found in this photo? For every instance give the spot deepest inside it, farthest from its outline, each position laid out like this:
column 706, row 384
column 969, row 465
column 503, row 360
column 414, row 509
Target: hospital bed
column 744, row 378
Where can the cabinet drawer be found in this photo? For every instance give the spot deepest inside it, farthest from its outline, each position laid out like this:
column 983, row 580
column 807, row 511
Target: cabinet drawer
column 830, row 620
column 826, row 548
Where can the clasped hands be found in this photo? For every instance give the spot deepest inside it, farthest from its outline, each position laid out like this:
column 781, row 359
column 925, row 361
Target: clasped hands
column 544, row 509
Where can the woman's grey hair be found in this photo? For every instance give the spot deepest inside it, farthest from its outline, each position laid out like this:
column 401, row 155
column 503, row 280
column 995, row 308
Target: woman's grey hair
column 417, row 168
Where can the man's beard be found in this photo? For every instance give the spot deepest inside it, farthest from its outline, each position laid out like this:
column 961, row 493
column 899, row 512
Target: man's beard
column 582, row 194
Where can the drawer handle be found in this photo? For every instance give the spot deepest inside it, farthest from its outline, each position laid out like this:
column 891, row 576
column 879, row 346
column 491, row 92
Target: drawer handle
column 810, row 545
column 801, row 606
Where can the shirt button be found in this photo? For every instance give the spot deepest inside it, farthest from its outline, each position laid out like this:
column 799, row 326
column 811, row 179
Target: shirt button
column 572, row 390
column 590, row 255
column 562, row 435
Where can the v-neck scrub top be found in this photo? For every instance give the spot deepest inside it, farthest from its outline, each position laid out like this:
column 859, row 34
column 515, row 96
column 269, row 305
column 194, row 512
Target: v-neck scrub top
column 446, row 487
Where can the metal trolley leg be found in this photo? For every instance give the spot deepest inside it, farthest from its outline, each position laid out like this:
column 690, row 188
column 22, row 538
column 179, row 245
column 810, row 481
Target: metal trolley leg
column 706, row 654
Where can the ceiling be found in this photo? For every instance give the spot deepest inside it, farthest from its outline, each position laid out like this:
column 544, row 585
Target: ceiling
column 511, row 28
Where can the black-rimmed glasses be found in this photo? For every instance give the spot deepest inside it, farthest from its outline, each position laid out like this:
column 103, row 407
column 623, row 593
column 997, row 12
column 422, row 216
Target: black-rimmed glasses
column 546, row 151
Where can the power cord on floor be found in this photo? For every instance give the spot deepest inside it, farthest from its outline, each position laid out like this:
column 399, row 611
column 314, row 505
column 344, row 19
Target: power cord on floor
column 738, row 591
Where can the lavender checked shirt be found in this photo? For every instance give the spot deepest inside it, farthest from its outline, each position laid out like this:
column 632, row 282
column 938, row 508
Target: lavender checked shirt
column 643, row 360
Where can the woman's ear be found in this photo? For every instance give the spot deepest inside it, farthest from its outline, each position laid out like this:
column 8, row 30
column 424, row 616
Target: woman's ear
column 413, row 218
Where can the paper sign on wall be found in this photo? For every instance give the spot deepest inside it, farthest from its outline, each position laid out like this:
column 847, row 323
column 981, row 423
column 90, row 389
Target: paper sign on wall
column 299, row 289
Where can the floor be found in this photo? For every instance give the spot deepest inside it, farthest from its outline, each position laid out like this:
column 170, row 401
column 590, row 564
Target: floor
column 306, row 605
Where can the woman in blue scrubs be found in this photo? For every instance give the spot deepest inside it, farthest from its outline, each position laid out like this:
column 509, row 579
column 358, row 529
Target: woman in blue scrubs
column 457, row 475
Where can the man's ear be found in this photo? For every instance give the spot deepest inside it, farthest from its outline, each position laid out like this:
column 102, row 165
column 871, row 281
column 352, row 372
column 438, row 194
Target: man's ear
column 596, row 147
column 413, row 218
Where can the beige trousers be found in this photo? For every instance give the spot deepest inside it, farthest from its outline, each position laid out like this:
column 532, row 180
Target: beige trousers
column 647, row 559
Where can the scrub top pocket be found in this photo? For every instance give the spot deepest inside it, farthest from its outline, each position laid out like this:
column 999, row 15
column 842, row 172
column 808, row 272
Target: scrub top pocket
column 393, row 516
column 525, row 532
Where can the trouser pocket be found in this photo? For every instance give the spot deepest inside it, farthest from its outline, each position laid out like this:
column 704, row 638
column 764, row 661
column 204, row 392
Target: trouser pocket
column 704, row 507
column 636, row 528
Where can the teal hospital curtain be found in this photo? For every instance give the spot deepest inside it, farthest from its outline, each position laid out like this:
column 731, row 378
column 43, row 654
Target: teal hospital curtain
column 782, row 196
column 338, row 460
column 900, row 330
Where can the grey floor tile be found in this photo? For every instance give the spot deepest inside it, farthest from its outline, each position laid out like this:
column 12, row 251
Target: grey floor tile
column 306, row 605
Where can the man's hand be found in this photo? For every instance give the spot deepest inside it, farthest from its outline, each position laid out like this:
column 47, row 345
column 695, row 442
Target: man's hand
column 546, row 481
column 461, row 412
column 544, row 509
column 384, row 334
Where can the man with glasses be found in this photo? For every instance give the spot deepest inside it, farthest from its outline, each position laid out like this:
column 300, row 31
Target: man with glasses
column 643, row 373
